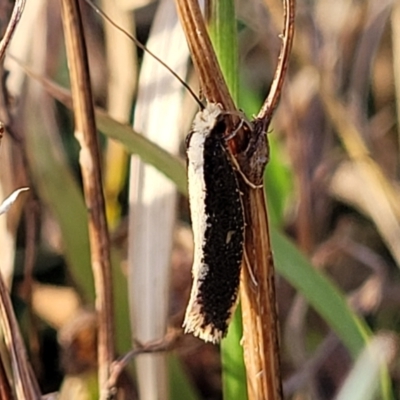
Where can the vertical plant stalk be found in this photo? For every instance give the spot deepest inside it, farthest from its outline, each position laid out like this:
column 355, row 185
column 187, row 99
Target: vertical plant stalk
column 212, row 81
column 261, row 341
column 259, row 311
column 152, row 198
column 89, row 158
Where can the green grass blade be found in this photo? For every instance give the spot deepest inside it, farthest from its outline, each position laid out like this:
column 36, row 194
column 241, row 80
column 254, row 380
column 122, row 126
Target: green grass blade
column 149, row 152
column 233, row 369
column 320, row 293
column 223, row 34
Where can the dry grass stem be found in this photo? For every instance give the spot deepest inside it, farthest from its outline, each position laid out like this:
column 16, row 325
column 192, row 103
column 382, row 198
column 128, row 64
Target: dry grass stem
column 168, row 342
column 213, row 84
column 272, row 99
column 260, row 323
column 85, row 132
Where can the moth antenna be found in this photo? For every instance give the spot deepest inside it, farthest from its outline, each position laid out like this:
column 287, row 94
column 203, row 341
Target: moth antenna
column 144, row 48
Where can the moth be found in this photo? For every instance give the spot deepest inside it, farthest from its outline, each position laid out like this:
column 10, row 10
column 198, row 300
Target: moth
column 218, row 226
column 217, row 218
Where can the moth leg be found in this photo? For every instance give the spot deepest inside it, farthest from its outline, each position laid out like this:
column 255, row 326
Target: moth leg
column 233, row 159
column 233, row 134
column 243, row 121
column 246, row 180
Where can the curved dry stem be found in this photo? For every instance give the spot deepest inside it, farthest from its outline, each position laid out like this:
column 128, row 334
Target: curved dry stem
column 86, row 134
column 268, row 108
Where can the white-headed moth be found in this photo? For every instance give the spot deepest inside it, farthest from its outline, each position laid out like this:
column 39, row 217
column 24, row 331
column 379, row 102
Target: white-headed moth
column 217, row 218
column 218, row 227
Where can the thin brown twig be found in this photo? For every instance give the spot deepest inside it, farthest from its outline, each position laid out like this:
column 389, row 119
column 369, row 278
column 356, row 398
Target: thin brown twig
column 272, row 99
column 15, row 17
column 85, row 133
column 168, row 342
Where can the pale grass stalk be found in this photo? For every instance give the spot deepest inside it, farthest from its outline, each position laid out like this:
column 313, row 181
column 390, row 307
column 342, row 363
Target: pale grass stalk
column 153, row 198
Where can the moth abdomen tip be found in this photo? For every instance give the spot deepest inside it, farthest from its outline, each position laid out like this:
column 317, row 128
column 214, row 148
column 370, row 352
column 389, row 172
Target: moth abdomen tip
column 208, row 333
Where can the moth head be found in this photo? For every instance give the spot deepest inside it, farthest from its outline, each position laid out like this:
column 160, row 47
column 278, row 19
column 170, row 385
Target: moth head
column 205, row 120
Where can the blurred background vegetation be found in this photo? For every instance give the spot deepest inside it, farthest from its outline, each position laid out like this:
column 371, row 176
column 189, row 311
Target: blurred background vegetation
column 332, row 186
